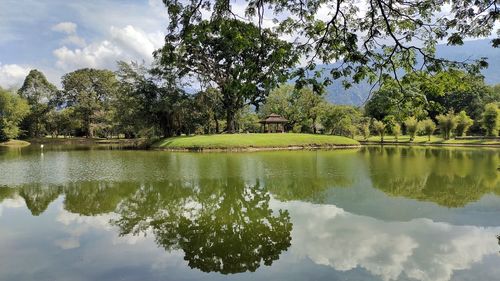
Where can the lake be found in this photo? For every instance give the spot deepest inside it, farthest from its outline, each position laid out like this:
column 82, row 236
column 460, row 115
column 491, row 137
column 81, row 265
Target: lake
column 374, row 213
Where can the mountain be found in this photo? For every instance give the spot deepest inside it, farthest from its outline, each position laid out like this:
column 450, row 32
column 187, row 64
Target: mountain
column 358, row 93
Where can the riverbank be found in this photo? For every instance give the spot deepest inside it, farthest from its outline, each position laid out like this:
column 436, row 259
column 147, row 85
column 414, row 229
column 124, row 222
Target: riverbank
column 133, row 143
column 15, row 143
column 254, row 142
column 434, row 141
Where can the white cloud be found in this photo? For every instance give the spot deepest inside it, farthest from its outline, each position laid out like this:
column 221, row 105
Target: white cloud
column 65, row 27
column 128, row 43
column 12, row 75
column 75, row 40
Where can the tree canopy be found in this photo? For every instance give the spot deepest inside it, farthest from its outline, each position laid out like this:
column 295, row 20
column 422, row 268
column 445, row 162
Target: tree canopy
column 225, row 54
column 374, row 39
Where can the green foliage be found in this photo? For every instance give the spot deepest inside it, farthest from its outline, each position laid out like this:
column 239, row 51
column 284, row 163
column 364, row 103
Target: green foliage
column 380, row 128
column 463, row 123
column 447, row 123
column 428, row 127
column 412, row 127
column 396, row 131
column 224, row 52
column 13, row 109
column 422, row 94
column 340, row 120
column 491, row 119
column 337, row 37
column 89, row 92
column 41, row 96
column 364, row 127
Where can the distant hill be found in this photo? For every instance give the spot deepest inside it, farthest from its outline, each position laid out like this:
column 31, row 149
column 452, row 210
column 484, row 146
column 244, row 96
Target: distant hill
column 470, row 50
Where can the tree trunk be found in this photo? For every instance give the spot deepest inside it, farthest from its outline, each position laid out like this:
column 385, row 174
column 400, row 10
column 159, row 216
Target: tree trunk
column 231, row 122
column 216, row 124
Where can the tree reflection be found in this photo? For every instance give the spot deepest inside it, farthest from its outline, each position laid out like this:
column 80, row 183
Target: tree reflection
column 38, row 198
column 222, row 226
column 448, row 177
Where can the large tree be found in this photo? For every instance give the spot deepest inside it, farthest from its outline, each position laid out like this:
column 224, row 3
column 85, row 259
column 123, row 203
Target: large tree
column 12, row 110
column 89, row 92
column 40, row 95
column 244, row 62
column 150, row 104
column 373, row 38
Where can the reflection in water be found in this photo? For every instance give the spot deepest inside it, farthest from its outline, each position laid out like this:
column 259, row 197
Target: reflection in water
column 448, row 177
column 420, row 249
column 233, row 213
column 222, row 226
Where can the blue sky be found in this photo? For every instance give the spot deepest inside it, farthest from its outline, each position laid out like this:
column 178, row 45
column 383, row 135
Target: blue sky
column 58, row 36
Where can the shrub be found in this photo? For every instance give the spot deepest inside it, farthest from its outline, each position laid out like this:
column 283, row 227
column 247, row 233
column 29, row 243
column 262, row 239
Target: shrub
column 379, row 127
column 447, row 123
column 396, row 131
column 463, row 123
column 411, row 124
column 491, row 120
column 428, row 127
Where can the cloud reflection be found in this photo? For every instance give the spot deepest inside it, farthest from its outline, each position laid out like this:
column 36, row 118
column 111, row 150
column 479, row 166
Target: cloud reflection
column 420, row 249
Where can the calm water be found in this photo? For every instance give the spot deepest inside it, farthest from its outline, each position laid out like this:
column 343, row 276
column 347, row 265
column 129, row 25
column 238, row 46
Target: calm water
column 429, row 214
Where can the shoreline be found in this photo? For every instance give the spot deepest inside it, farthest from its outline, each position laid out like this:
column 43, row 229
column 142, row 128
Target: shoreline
column 488, row 145
column 141, row 145
column 255, row 149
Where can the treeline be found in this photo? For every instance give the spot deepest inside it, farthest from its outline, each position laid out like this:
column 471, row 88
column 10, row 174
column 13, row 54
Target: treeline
column 136, row 102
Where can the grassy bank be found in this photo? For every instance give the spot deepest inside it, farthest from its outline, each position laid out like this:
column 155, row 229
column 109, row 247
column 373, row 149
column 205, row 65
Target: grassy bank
column 89, row 141
column 254, row 141
column 15, row 143
column 435, row 140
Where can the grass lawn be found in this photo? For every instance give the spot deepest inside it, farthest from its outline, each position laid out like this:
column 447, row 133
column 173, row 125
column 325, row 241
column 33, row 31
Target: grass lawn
column 425, row 140
column 15, row 143
column 235, row 141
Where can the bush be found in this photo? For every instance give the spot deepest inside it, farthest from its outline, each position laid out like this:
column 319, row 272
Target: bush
column 463, row 123
column 491, row 120
column 411, row 124
column 396, row 131
column 379, row 127
column 447, row 123
column 428, row 127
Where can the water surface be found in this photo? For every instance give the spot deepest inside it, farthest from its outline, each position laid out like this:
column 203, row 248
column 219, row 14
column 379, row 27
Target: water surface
column 392, row 213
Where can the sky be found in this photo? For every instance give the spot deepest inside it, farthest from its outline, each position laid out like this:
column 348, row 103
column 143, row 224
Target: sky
column 59, row 36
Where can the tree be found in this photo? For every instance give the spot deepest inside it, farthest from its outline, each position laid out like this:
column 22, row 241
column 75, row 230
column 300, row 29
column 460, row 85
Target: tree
column 412, row 127
column 209, row 105
column 13, row 109
column 396, row 131
column 89, row 91
column 244, row 62
column 491, row 119
column 447, row 123
column 364, row 127
column 40, row 95
column 428, row 127
column 382, row 39
column 399, row 100
column 463, row 123
column 340, row 119
column 379, row 127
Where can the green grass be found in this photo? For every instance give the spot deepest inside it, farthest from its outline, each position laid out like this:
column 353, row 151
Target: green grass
column 434, row 140
column 242, row 141
column 15, row 143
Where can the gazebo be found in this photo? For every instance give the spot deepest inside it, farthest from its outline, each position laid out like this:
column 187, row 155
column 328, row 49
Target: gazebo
column 273, row 119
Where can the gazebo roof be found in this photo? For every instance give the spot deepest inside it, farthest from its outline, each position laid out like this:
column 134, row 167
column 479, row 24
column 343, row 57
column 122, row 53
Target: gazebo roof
column 273, row 118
